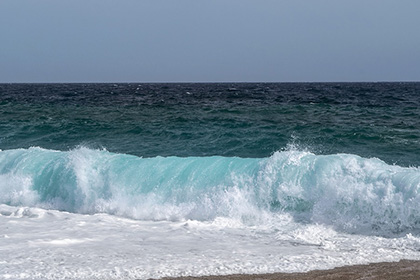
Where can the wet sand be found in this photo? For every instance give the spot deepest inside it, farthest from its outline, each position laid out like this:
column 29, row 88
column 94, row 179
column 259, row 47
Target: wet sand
column 403, row 270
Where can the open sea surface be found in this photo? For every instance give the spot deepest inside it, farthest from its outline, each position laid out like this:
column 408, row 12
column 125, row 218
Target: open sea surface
column 138, row 181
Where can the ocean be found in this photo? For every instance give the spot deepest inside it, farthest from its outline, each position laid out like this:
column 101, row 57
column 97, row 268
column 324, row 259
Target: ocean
column 138, row 181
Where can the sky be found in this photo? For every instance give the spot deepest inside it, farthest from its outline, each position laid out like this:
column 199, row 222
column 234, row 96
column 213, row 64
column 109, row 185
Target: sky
column 209, row 41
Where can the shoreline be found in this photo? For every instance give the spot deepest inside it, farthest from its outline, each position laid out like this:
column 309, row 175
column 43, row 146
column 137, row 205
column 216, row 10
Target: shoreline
column 404, row 269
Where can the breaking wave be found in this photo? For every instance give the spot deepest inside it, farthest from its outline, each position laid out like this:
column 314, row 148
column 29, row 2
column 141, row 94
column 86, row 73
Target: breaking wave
column 348, row 192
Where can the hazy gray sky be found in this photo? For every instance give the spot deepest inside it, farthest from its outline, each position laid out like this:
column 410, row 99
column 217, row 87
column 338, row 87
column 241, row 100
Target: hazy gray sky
column 214, row 40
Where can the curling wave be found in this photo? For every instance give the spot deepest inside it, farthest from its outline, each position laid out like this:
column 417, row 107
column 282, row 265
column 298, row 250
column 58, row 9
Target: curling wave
column 345, row 191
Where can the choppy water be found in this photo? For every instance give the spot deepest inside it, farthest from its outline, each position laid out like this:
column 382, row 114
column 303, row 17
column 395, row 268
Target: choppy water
column 247, row 120
column 153, row 180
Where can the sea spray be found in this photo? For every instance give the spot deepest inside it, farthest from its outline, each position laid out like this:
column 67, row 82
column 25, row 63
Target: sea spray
column 348, row 192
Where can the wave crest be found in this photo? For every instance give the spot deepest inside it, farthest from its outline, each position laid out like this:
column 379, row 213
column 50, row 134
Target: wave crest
column 348, row 192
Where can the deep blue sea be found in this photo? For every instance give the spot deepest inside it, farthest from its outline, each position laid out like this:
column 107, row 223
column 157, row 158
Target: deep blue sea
column 279, row 158
column 245, row 120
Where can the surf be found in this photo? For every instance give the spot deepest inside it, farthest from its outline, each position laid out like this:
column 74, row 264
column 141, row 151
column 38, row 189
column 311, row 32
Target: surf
column 348, row 192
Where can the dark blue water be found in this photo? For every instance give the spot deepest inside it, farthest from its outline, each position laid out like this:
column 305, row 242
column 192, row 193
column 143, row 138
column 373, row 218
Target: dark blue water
column 247, row 119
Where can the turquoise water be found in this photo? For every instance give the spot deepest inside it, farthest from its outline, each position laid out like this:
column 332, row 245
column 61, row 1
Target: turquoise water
column 344, row 155
column 345, row 191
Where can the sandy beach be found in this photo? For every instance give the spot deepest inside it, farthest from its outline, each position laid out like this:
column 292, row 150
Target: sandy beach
column 405, row 269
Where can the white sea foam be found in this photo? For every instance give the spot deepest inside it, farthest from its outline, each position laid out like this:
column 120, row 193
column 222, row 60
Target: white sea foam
column 86, row 214
column 48, row 244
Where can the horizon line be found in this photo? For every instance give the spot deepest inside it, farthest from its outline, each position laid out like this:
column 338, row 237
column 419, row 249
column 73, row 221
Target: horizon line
column 208, row 82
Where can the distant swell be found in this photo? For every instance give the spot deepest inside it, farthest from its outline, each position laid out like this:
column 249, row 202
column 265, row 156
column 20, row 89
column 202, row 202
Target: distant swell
column 345, row 191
